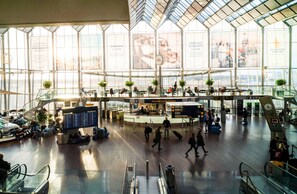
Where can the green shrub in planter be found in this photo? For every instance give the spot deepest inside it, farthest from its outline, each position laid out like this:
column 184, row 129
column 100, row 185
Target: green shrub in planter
column 280, row 82
column 102, row 84
column 182, row 83
column 129, row 83
column 47, row 84
column 209, row 82
column 155, row 82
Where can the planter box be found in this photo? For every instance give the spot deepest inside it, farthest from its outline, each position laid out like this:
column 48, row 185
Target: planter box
column 280, row 93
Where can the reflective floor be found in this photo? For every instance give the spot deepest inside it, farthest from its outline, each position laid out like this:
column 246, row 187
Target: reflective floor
column 99, row 166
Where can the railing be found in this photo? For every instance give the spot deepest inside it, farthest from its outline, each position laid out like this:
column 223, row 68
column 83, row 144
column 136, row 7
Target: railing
column 16, row 171
column 134, row 183
column 42, row 96
column 124, row 181
column 185, row 121
column 253, row 181
column 152, row 123
column 18, row 179
column 163, row 187
column 282, row 173
column 35, row 179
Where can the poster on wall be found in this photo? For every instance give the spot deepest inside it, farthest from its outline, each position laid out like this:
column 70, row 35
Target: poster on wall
column 277, row 53
column 170, row 48
column 116, row 55
column 143, row 51
column 222, row 49
column 248, row 49
column 194, row 50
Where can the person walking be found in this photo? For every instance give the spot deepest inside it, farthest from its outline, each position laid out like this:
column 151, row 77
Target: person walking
column 245, row 115
column 200, row 142
column 147, row 131
column 192, row 142
column 167, row 126
column 4, row 167
column 157, row 139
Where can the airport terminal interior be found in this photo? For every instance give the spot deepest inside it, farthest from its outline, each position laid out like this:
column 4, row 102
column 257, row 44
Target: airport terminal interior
column 80, row 81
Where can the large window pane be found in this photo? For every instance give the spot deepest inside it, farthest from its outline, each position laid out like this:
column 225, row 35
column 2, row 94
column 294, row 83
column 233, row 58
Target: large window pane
column 117, row 48
column 91, row 48
column 41, row 49
column 66, row 42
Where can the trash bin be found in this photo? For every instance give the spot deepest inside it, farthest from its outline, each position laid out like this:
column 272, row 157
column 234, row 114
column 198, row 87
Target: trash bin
column 170, row 177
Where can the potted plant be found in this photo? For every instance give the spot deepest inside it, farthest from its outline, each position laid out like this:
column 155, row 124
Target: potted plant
column 280, row 82
column 103, row 84
column 209, row 83
column 47, row 84
column 155, row 82
column 182, row 84
column 42, row 116
column 129, row 84
column 280, row 90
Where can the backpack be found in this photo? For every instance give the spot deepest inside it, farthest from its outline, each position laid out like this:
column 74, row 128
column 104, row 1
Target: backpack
column 191, row 141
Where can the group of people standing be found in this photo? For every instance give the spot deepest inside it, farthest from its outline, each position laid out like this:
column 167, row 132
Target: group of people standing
column 195, row 143
column 279, row 149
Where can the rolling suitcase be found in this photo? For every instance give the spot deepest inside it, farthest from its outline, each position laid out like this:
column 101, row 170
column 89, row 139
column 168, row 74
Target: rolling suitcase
column 178, row 135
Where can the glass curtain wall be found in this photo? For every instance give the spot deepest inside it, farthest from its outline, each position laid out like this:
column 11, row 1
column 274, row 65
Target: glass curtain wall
column 92, row 53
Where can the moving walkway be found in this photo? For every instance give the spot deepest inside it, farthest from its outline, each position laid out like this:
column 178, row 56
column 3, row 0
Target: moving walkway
column 20, row 181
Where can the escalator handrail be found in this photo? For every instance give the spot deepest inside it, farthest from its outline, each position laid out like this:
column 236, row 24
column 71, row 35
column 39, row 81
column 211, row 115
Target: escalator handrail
column 46, row 166
column 162, row 176
column 263, row 176
column 34, row 174
column 283, row 170
column 38, row 97
column 17, row 167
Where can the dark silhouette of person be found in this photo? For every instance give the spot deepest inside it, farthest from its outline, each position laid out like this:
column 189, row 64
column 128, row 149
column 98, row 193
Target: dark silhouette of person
column 174, row 87
column 147, row 131
column 273, row 147
column 200, row 142
column 4, row 167
column 245, row 115
column 167, row 126
column 192, row 143
column 157, row 139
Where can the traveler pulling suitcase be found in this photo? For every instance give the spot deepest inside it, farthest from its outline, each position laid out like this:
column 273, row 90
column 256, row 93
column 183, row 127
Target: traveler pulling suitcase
column 177, row 134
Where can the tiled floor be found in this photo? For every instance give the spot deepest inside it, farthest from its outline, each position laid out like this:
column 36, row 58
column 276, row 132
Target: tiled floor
column 98, row 167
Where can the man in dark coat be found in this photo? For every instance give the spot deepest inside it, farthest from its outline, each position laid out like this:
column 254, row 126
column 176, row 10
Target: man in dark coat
column 4, row 167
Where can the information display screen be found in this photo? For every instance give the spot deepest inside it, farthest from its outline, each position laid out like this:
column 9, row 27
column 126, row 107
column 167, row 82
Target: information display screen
column 80, row 117
column 185, row 110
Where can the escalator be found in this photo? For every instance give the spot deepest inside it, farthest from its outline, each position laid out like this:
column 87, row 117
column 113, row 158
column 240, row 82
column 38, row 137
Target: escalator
column 253, row 182
column 282, row 174
column 20, row 181
column 137, row 182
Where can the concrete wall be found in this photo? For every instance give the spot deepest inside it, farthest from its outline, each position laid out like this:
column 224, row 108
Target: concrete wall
column 30, row 12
